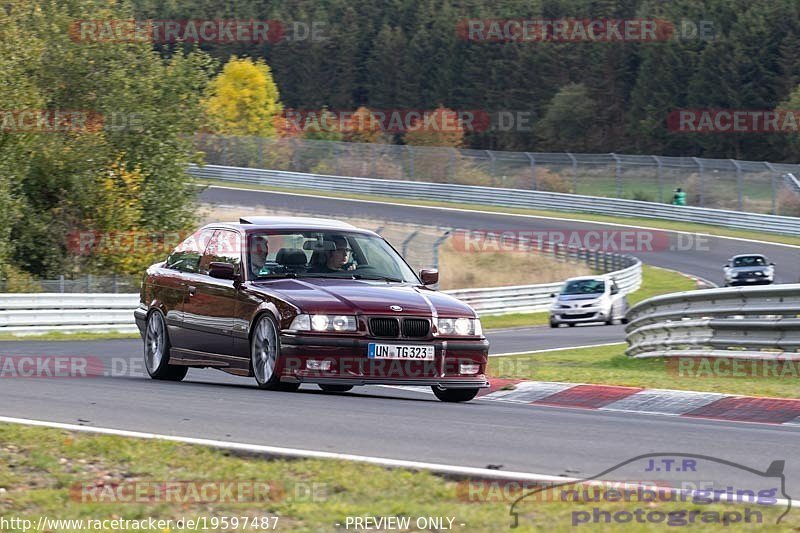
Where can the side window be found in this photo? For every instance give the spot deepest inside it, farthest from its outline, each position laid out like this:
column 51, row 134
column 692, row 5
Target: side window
column 224, row 247
column 186, row 257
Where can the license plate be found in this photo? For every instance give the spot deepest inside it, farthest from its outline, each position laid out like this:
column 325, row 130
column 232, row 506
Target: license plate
column 400, row 351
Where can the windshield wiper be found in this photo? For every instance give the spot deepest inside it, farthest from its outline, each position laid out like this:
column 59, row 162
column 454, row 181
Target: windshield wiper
column 280, row 275
column 377, row 278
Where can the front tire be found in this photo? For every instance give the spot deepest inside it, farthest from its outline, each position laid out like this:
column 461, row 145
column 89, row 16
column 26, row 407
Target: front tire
column 265, row 353
column 156, row 350
column 454, row 395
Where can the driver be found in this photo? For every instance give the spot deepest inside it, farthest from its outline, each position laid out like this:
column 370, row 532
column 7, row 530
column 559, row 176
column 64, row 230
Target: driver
column 336, row 259
column 258, row 251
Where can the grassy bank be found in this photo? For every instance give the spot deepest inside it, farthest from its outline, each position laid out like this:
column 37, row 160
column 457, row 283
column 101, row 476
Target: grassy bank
column 64, row 475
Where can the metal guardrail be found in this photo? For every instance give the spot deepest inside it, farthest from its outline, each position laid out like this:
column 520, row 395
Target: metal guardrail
column 739, row 322
column 64, row 312
column 492, row 196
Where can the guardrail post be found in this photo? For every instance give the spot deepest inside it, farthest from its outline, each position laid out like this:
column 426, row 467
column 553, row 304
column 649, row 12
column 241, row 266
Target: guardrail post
column 739, row 183
column 88, row 283
column 61, row 283
column 533, row 171
column 451, row 167
column 411, row 165
column 574, row 172
column 617, row 176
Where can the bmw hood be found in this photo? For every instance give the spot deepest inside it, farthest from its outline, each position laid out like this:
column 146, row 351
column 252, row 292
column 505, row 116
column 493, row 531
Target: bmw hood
column 347, row 296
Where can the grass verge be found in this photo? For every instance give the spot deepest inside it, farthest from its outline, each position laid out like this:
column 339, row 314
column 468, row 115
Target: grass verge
column 64, row 475
column 588, row 217
column 655, row 281
column 608, row 365
column 60, row 336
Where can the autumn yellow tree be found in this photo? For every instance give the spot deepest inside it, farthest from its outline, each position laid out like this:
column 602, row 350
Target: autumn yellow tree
column 441, row 127
column 363, row 127
column 243, row 99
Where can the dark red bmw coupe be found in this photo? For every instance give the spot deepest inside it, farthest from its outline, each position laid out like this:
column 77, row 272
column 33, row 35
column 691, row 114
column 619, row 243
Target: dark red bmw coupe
column 302, row 300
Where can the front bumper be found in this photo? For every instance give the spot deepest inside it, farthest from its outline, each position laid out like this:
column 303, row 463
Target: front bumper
column 576, row 316
column 140, row 315
column 350, row 365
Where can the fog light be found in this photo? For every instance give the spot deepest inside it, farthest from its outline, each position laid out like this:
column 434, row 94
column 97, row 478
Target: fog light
column 313, row 364
column 469, row 368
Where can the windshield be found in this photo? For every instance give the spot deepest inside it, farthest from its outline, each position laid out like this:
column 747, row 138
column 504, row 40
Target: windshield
column 325, row 254
column 584, row 286
column 749, row 261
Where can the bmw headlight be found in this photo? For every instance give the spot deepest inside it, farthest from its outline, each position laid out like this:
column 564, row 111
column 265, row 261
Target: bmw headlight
column 324, row 323
column 460, row 326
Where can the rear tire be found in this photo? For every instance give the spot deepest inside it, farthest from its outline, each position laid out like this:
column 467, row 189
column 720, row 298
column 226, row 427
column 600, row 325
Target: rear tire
column 335, row 388
column 265, row 354
column 454, row 395
column 156, row 350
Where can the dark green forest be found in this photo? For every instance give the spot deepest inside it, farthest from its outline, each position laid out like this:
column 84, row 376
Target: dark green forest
column 583, row 96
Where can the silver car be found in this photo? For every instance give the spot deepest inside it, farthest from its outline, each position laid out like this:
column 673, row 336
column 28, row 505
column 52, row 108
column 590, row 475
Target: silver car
column 748, row 269
column 588, row 299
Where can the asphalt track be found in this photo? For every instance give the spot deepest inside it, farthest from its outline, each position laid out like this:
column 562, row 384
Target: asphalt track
column 379, row 421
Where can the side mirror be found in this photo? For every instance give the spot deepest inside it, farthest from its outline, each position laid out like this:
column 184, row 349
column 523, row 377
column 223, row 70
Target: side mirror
column 221, row 270
column 772, row 264
column 726, row 265
column 615, row 290
column 553, row 295
column 429, row 276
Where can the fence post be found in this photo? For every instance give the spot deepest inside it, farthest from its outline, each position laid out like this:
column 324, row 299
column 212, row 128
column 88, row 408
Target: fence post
column 88, row 283
column 61, row 283
column 702, row 190
column 533, row 171
column 774, row 186
column 739, row 183
column 451, row 165
column 574, row 173
column 412, row 172
column 491, row 166
column 617, row 177
column 436, row 245
column 658, row 179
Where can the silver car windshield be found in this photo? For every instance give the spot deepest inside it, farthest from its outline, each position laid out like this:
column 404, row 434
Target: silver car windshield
column 749, row 261
column 325, row 254
column 584, row 286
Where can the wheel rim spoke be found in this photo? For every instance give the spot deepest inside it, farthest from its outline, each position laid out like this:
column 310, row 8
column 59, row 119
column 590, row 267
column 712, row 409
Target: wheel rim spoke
column 264, row 351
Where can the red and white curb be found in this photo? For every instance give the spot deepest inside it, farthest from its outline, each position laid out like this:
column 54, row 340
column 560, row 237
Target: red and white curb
column 689, row 404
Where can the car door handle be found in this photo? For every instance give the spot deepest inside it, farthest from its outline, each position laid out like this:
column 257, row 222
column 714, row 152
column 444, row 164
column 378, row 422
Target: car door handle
column 192, row 290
